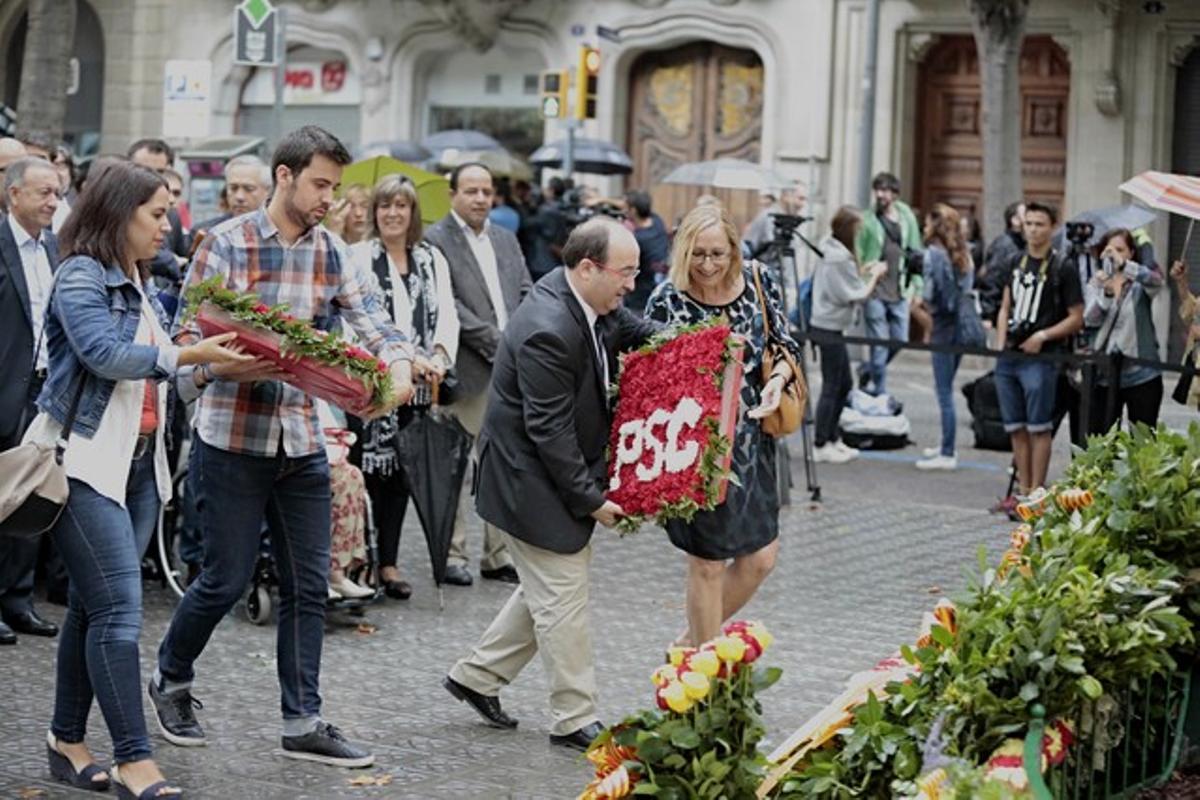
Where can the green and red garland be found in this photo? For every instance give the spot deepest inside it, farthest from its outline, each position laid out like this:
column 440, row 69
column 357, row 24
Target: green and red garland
column 320, row 361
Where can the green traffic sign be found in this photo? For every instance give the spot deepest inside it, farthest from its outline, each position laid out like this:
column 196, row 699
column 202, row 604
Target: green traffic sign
column 257, row 11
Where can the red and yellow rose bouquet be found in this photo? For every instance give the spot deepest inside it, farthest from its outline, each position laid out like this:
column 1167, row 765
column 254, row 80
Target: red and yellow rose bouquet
column 677, row 411
column 319, row 363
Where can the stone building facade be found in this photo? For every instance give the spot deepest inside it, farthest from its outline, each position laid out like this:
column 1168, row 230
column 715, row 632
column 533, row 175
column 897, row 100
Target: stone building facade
column 1110, row 87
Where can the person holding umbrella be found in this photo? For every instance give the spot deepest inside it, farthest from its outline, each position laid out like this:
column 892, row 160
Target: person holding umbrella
column 414, row 279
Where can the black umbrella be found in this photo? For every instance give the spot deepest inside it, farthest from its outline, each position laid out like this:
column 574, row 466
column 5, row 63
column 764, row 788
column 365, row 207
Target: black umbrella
column 593, row 156
column 435, row 450
column 459, row 139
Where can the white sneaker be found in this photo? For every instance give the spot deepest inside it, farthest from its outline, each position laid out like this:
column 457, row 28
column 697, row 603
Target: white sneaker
column 931, row 452
column 334, row 594
column 938, row 462
column 847, row 449
column 830, row 454
column 348, row 588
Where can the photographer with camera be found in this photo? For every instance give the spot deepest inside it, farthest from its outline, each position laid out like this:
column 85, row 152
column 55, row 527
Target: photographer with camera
column 1119, row 308
column 1041, row 309
column 890, row 234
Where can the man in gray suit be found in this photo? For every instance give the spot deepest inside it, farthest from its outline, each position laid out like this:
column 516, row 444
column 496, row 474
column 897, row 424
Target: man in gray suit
column 542, row 475
column 489, row 278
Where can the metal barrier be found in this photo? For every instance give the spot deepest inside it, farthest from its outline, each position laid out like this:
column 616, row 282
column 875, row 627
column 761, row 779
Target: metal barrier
column 1130, row 745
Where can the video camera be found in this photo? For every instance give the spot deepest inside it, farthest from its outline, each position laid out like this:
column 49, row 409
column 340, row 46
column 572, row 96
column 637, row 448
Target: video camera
column 785, row 225
column 575, row 212
column 1080, row 233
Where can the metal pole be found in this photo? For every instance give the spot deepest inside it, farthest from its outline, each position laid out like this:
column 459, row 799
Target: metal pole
column 866, row 123
column 568, row 162
column 280, row 73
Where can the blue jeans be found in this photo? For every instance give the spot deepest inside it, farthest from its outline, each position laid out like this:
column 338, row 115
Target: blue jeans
column 883, row 321
column 1026, row 390
column 945, row 365
column 191, row 551
column 234, row 492
column 101, row 545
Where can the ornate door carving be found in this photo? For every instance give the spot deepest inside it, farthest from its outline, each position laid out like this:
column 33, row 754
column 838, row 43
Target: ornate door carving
column 694, row 103
column 949, row 151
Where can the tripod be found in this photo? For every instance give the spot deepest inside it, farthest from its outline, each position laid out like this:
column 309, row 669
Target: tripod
column 782, row 263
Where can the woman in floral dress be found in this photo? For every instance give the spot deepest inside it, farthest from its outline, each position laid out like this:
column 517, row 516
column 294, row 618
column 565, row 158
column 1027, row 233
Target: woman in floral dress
column 732, row 548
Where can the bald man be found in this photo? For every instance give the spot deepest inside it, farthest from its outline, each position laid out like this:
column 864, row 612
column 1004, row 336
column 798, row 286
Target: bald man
column 10, row 151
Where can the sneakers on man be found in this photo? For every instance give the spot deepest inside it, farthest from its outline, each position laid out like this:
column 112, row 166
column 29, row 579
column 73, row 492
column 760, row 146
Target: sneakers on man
column 176, row 714
column 938, row 461
column 326, row 745
column 930, row 452
column 830, row 453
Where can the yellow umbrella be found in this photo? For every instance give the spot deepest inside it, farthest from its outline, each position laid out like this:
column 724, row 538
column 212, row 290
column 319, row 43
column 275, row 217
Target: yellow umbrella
column 433, row 191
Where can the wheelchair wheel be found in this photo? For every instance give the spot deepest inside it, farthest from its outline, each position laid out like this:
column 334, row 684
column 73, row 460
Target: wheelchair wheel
column 258, row 604
column 166, row 536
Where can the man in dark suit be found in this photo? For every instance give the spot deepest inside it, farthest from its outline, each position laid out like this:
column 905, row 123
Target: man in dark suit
column 489, row 278
column 542, row 475
column 28, row 257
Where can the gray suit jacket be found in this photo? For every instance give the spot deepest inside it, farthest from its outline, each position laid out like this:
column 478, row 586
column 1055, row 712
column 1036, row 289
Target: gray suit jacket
column 479, row 336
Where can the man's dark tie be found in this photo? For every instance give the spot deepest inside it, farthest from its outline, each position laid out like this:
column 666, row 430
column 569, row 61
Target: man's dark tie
column 601, row 354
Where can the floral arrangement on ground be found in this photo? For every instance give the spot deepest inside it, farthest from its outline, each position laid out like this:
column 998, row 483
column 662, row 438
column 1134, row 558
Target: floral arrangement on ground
column 298, row 338
column 701, row 742
column 1093, row 604
column 672, row 433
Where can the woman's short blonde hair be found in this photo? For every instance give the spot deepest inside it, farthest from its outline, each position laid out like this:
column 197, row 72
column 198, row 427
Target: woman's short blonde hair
column 699, row 219
column 388, row 189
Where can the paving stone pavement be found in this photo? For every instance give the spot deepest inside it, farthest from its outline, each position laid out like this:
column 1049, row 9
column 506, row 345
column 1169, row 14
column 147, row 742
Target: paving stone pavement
column 852, row 580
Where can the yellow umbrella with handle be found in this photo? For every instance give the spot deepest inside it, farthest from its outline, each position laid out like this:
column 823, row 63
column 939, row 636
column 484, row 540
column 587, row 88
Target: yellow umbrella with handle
column 433, row 191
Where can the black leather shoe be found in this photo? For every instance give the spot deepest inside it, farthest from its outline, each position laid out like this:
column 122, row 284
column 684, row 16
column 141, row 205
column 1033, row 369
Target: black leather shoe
column 457, row 575
column 30, row 623
column 7, row 635
column 505, row 574
column 487, row 707
column 580, row 739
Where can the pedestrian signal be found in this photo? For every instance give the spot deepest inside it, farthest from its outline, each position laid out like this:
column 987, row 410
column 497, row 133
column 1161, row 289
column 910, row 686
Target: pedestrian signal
column 587, row 80
column 555, row 83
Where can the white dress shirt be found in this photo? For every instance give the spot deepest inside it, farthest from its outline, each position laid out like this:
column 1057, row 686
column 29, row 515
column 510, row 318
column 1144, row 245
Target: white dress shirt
column 591, row 316
column 485, row 256
column 36, row 266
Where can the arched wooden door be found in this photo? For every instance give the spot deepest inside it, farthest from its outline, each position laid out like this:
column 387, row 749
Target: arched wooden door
column 949, row 162
column 694, row 103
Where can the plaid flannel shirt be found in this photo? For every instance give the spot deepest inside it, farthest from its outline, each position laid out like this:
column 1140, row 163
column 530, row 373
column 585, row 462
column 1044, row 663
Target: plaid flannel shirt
column 317, row 280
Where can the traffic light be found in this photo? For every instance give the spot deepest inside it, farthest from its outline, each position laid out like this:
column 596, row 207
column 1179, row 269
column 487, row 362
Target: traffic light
column 555, row 86
column 587, row 79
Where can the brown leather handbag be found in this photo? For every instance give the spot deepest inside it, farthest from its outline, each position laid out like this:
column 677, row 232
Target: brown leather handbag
column 790, row 414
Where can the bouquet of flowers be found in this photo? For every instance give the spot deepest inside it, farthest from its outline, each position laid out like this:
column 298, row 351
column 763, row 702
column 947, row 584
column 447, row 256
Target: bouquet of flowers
column 677, row 410
column 702, row 740
column 321, row 364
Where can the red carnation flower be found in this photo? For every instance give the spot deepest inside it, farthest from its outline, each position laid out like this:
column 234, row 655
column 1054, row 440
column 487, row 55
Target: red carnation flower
column 262, row 308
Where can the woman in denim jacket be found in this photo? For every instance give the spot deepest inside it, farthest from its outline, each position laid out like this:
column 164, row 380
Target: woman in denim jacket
column 103, row 330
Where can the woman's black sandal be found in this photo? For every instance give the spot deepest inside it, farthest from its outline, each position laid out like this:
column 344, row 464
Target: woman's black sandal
column 63, row 770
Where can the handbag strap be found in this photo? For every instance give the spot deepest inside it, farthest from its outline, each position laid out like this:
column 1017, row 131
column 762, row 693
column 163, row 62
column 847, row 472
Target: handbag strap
column 762, row 301
column 60, row 444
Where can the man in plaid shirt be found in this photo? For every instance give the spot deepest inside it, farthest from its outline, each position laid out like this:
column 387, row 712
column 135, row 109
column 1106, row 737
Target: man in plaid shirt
column 259, row 452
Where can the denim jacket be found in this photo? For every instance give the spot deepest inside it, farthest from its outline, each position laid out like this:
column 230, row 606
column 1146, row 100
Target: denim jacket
column 93, row 318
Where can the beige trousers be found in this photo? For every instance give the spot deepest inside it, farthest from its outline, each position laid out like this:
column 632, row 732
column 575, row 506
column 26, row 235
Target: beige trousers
column 469, row 412
column 546, row 614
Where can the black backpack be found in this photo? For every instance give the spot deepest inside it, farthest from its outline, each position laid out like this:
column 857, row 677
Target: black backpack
column 984, row 404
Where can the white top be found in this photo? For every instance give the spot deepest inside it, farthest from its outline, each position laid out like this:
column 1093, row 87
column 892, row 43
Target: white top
column 38, row 277
column 485, row 255
column 102, row 462
column 61, row 212
column 591, row 316
column 362, row 254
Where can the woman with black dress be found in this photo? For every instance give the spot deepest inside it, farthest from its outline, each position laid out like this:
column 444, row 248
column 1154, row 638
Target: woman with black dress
column 732, row 548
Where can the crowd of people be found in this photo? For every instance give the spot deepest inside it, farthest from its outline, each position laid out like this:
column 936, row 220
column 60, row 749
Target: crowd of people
column 1047, row 305
column 517, row 310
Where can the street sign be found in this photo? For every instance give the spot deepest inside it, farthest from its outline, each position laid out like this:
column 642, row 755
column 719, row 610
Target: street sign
column 254, row 34
column 187, row 99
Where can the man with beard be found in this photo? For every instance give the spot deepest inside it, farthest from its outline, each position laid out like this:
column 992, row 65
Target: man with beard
column 259, row 448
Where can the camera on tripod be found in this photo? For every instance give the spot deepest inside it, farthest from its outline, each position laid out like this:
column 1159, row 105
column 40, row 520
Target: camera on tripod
column 785, row 225
column 1080, row 233
column 575, row 212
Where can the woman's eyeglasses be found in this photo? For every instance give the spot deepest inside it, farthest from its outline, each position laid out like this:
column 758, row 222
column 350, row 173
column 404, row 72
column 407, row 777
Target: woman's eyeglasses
column 718, row 257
